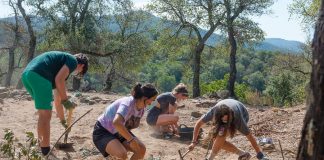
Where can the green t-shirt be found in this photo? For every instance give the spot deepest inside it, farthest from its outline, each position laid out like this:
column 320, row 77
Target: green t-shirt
column 49, row 64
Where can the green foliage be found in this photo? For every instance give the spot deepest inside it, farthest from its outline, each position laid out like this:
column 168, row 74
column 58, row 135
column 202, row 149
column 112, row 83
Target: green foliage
column 307, row 10
column 214, row 86
column 256, row 80
column 280, row 88
column 241, row 90
column 14, row 149
column 166, row 83
column 217, row 85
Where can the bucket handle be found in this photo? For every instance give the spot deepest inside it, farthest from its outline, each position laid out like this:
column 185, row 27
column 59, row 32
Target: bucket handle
column 181, row 126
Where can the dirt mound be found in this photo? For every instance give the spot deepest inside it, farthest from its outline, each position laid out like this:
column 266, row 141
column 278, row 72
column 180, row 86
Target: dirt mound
column 284, row 125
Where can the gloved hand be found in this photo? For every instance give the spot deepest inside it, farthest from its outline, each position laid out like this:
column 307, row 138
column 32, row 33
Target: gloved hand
column 260, row 155
column 63, row 122
column 68, row 104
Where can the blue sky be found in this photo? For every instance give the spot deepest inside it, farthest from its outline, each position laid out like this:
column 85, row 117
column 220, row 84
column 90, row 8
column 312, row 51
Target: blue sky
column 276, row 25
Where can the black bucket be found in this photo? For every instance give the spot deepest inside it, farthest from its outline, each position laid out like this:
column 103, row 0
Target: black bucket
column 186, row 132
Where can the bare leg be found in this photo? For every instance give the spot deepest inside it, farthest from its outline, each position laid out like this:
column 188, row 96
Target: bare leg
column 139, row 153
column 167, row 119
column 43, row 127
column 116, row 149
column 228, row 146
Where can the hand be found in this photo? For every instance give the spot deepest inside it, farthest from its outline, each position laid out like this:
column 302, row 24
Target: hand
column 192, row 145
column 68, row 104
column 260, row 155
column 176, row 132
column 63, row 122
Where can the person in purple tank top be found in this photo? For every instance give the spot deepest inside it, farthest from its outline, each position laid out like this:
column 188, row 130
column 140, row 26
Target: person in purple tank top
column 112, row 132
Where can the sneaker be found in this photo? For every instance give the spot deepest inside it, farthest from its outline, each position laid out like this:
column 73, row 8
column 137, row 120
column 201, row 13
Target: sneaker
column 245, row 156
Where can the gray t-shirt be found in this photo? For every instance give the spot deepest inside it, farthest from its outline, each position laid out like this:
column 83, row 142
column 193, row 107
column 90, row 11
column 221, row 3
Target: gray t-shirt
column 164, row 100
column 241, row 116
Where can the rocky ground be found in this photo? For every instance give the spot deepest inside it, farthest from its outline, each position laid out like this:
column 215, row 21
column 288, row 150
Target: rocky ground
column 283, row 126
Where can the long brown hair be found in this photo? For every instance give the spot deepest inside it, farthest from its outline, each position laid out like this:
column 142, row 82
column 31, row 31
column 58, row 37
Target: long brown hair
column 230, row 125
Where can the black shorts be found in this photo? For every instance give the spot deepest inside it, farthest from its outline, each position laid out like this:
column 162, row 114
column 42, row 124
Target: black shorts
column 101, row 137
column 152, row 116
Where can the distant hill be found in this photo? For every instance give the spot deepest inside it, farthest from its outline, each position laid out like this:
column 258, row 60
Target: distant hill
column 269, row 44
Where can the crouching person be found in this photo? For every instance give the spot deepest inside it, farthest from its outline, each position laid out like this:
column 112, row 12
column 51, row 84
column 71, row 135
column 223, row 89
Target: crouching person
column 112, row 132
column 228, row 116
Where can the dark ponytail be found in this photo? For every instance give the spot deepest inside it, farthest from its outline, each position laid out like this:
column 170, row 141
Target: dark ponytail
column 147, row 90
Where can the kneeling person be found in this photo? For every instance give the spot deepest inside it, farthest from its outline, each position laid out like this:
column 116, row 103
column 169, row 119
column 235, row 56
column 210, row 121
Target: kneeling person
column 112, row 132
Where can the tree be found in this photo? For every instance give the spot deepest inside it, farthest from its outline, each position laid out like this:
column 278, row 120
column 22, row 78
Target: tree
column 307, row 10
column 32, row 36
column 239, row 27
column 15, row 28
column 311, row 145
column 191, row 15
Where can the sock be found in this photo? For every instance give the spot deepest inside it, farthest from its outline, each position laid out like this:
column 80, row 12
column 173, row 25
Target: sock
column 212, row 156
column 45, row 150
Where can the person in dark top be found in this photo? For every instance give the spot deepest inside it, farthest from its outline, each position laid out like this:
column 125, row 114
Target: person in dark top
column 228, row 116
column 44, row 73
column 161, row 115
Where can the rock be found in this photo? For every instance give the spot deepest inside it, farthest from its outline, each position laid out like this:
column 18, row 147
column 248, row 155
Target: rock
column 91, row 102
column 196, row 114
column 261, row 110
column 4, row 95
column 181, row 106
column 3, row 89
column 223, row 94
column 84, row 100
column 206, row 103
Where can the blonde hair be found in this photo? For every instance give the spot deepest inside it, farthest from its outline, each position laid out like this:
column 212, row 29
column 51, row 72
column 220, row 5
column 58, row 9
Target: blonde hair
column 180, row 88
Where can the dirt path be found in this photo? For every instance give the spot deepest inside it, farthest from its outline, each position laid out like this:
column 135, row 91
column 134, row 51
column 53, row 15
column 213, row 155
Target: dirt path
column 279, row 124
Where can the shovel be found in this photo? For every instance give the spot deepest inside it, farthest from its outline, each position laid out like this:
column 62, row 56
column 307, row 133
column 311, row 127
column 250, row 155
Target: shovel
column 66, row 145
column 182, row 156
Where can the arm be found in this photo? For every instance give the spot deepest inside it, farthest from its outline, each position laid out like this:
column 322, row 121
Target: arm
column 58, row 106
column 118, row 123
column 172, row 108
column 253, row 142
column 60, row 82
column 194, row 141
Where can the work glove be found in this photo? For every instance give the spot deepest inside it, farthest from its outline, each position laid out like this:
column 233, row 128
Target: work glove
column 63, row 122
column 68, row 104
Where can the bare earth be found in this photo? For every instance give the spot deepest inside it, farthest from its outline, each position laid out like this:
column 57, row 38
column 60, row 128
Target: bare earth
column 284, row 125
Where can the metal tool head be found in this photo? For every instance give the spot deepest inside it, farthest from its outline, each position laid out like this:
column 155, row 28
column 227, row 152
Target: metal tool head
column 64, row 146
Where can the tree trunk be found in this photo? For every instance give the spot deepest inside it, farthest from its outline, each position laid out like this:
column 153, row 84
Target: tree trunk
column 311, row 146
column 11, row 66
column 196, row 68
column 233, row 48
column 32, row 37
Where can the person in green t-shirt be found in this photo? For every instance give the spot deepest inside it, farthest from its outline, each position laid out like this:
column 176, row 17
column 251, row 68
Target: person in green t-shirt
column 44, row 73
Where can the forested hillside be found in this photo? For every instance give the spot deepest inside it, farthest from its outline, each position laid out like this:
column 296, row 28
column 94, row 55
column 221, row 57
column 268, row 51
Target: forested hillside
column 127, row 45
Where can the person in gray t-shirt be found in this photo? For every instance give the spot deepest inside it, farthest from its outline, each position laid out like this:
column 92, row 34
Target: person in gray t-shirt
column 228, row 116
column 162, row 116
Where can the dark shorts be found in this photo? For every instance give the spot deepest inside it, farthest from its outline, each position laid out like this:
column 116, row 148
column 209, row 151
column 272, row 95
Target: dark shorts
column 101, row 137
column 153, row 115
